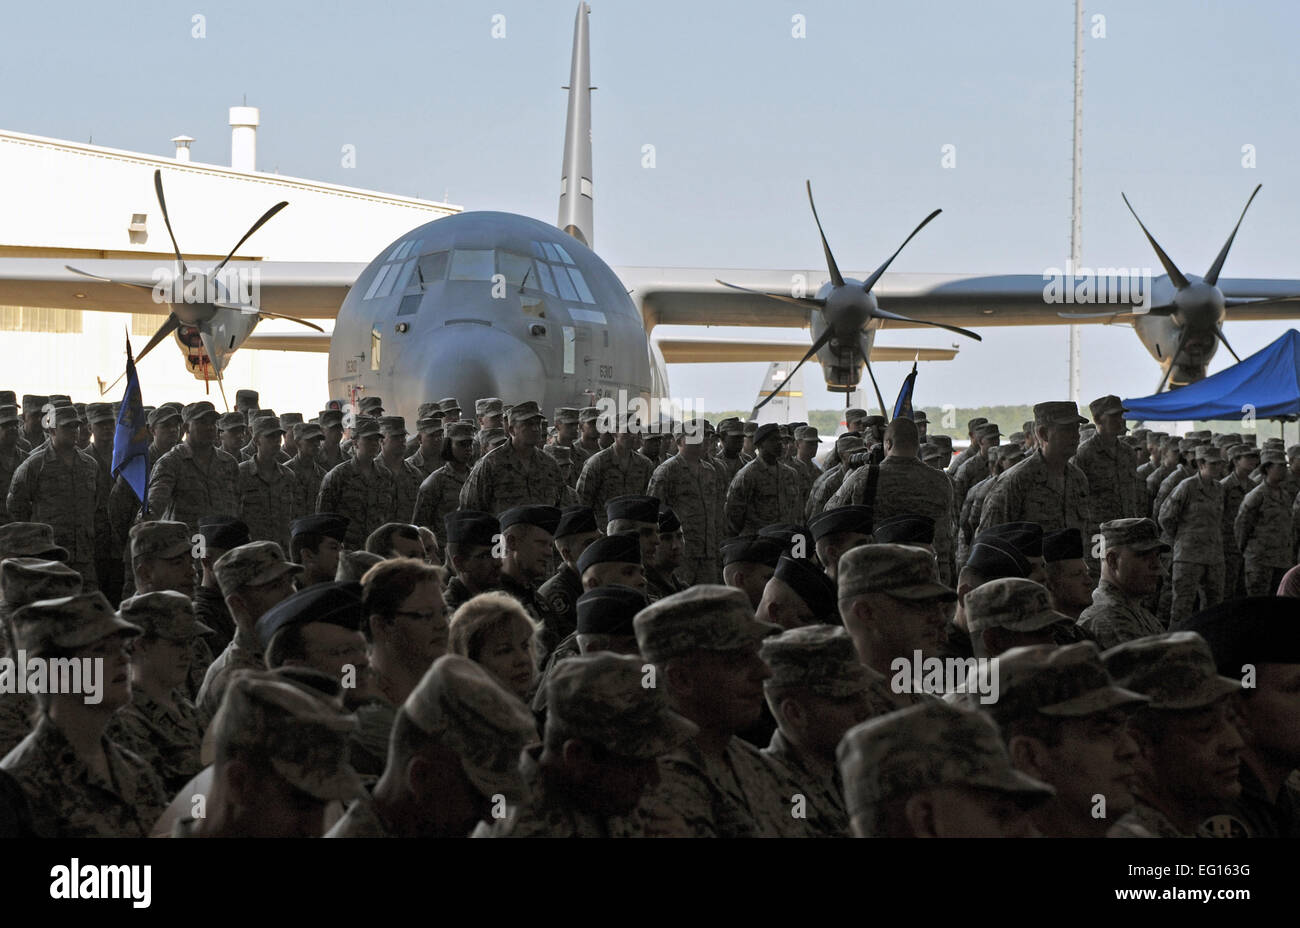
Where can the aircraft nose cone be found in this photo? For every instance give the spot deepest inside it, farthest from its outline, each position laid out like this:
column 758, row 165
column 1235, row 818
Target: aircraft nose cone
column 471, row 361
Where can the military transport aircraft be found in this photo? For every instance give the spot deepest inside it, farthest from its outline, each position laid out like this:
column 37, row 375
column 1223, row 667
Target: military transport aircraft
column 498, row 304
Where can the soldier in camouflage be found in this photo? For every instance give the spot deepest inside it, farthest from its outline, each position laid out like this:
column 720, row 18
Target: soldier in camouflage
column 406, row 477
column 517, row 473
column 765, row 490
column 11, row 455
column 1193, row 517
column 439, row 494
column 689, row 485
column 617, row 470
column 360, row 489
column 1130, row 572
column 825, row 486
column 194, row 478
column 269, row 491
column 1264, row 528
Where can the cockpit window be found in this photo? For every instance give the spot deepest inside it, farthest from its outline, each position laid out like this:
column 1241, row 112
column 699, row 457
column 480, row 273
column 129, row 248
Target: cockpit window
column 544, row 275
column 432, row 268
column 584, row 292
column 515, row 268
column 564, row 255
column 472, row 264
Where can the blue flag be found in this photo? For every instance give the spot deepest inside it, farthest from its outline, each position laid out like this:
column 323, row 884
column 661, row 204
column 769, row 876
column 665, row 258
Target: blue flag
column 131, row 441
column 903, row 405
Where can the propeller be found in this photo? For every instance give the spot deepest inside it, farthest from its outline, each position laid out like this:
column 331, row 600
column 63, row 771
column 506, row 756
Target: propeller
column 848, row 307
column 1178, row 346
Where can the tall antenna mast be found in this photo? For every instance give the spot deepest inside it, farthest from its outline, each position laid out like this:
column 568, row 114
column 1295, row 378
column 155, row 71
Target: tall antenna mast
column 1076, row 191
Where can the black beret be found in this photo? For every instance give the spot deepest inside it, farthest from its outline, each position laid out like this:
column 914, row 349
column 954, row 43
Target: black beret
column 472, row 527
column 544, row 517
column 843, row 519
column 1063, row 545
column 668, row 521
column 766, row 431
column 329, row 524
column 619, row 548
column 576, row 520
column 996, row 558
column 336, row 603
column 751, row 551
column 636, row 508
column 813, row 586
column 1253, row 630
column 224, row 532
column 609, row 610
column 905, row 530
column 1026, row 536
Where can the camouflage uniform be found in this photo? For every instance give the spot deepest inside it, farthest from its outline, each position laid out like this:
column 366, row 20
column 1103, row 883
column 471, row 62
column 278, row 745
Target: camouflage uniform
column 560, row 595
column 1156, row 478
column 243, row 653
column 1234, row 491
column 760, row 495
column 1172, row 480
column 424, row 466
column 501, row 481
column 694, row 493
column 167, row 738
column 406, row 487
column 1193, row 516
column 267, row 506
column 366, row 501
column 70, row 496
column 1027, row 493
column 439, row 494
column 808, row 473
column 606, row 476
column 1263, row 529
column 824, row 487
column 971, row 510
column 180, row 490
column 729, row 467
column 1114, row 617
column 971, row 472
column 8, row 464
column 309, row 476
column 1112, row 490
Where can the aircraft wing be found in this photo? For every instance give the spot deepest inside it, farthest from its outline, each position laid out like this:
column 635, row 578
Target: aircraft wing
column 688, row 350
column 305, row 289
column 289, row 341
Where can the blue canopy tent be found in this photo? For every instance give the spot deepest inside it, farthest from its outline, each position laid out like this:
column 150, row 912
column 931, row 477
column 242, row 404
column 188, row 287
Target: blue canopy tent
column 1268, row 381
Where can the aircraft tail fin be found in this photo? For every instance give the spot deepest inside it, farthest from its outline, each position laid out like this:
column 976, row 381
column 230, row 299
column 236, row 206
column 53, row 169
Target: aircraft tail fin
column 790, row 405
column 575, row 181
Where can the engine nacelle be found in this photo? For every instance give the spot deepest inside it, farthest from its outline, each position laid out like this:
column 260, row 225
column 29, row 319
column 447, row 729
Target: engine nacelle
column 1160, row 336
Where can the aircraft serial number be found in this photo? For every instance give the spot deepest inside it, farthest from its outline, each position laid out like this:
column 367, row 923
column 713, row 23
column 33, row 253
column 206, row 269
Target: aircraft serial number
column 607, row 372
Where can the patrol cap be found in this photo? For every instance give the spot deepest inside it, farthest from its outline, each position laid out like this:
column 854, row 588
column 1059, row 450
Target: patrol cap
column 199, row 410
column 231, row 420
column 371, row 405
column 429, row 425
column 807, row 433
column 918, row 416
column 34, row 403
column 750, row 427
column 307, row 431
column 9, row 414
column 988, row 430
column 288, row 419
column 8, row 398
column 246, row 398
column 100, row 412
column 608, row 610
column 458, row 703
column 1064, row 544
column 30, row 539
column 902, row 571
column 588, row 414
column 1209, row 453
column 1027, row 537
column 668, row 521
column 1012, row 453
column 996, row 557
column 329, row 524
column 704, row 617
column 428, row 409
column 764, row 551
column 1253, row 630
column 223, row 532
column 448, row 403
column 575, row 520
column 849, row 442
column 163, row 614
column 856, row 519
column 1105, row 406
column 354, row 564
column 25, row 580
column 619, row 548
column 810, row 584
column 365, row 427
column 766, row 431
column 566, row 415
column 1175, row 671
column 390, row 426
column 67, row 623
column 161, row 414
column 471, row 527
column 976, row 422
column 333, row 603
column 330, row 418
column 488, row 406
column 254, row 564
column 81, row 412
column 927, row 745
column 1270, row 456
column 930, row 451
column 258, row 413
column 908, row 529
column 854, row 414
column 1138, row 534
column 1057, row 413
column 634, row 508
column 267, row 425
column 460, row 431
column 873, row 421
column 600, row 697
column 524, row 411
column 943, row 441
column 60, row 399
column 1012, row 603
column 819, row 658
column 1242, row 450
column 730, row 426
column 546, row 518
column 65, row 415
column 1060, row 682
column 159, row 540
column 303, row 737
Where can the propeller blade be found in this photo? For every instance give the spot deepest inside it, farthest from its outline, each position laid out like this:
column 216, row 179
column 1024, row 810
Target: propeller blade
column 1268, row 301
column 806, row 301
column 816, row 347
column 1178, row 346
column 885, row 314
column 206, row 338
column 167, row 328
column 310, row 325
column 1218, row 331
column 1212, row 275
column 1166, row 262
column 266, row 216
column 836, row 277
column 107, row 280
column 162, row 204
column 865, row 349
column 871, row 281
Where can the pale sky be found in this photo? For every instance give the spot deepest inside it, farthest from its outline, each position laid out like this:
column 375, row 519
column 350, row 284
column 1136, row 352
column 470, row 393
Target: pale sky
column 740, row 113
